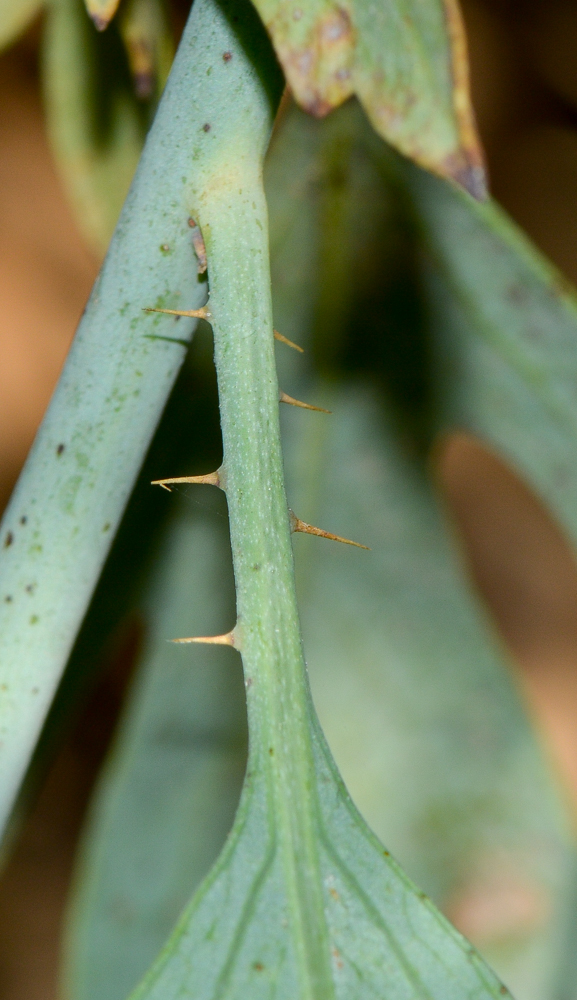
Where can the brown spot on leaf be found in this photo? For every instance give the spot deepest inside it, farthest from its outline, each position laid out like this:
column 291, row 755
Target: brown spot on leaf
column 8, row 540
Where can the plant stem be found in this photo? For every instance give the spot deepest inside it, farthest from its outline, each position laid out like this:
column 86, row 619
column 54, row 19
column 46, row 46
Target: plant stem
column 267, row 633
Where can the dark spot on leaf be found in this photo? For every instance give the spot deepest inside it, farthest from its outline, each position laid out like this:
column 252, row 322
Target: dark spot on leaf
column 33, row 619
column 29, row 587
column 206, row 127
column 106, row 527
column 503, row 990
column 387, row 854
column 248, row 682
column 23, row 519
column 8, row 540
column 271, row 751
column 3, row 687
column 227, row 56
column 35, row 690
column 60, row 449
column 258, row 966
column 8, row 598
column 256, row 567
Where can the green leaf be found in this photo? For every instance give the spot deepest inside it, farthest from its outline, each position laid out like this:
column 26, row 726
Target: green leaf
column 64, row 512
column 411, row 684
column 506, row 324
column 303, row 901
column 96, row 122
column 405, row 60
column 169, row 791
column 15, row 16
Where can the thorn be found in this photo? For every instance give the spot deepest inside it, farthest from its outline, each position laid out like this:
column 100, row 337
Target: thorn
column 202, row 313
column 285, row 340
column 228, row 639
column 283, row 398
column 309, row 529
column 211, row 479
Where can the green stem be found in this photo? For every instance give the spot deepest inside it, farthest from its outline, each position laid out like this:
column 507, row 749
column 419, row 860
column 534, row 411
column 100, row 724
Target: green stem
column 235, row 229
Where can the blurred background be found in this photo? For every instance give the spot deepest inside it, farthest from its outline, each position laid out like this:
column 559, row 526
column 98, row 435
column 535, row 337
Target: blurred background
column 523, row 58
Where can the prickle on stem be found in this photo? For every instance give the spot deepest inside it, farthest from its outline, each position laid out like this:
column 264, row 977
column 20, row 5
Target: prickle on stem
column 284, row 340
column 228, row 639
column 202, row 313
column 210, row 479
column 309, row 529
column 283, row 398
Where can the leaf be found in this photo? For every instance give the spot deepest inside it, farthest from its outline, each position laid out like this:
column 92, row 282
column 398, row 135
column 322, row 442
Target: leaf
column 411, row 685
column 96, row 122
column 146, row 35
column 68, row 502
column 406, row 61
column 102, row 12
column 167, row 798
column 303, row 901
column 15, row 16
column 506, row 324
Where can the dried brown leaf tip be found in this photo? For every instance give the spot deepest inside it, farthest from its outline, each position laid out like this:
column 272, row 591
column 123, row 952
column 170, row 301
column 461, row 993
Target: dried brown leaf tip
column 407, row 64
column 309, row 529
column 101, row 12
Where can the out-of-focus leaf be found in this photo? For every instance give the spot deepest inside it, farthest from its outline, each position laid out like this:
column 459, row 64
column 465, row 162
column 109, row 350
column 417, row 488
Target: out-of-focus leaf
column 15, row 16
column 414, row 695
column 169, row 791
column 96, row 122
column 406, row 61
column 505, row 325
column 146, row 34
column 101, row 12
column 412, row 687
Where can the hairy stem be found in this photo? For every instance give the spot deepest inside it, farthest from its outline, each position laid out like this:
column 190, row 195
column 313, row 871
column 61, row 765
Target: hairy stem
column 231, row 210
column 267, row 632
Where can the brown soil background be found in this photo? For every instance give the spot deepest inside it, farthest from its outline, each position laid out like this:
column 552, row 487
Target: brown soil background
column 524, row 69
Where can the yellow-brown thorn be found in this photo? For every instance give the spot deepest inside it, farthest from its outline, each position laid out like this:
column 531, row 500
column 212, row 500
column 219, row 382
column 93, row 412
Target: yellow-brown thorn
column 228, row 639
column 283, row 398
column 285, row 340
column 202, row 313
column 309, row 529
column 211, row 479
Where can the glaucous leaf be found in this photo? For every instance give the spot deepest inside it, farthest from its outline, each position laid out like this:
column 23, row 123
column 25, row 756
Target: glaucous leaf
column 171, row 785
column 68, row 502
column 412, row 686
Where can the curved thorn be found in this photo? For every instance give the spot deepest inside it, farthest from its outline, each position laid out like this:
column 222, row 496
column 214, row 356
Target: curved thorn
column 211, row 479
column 228, row 639
column 309, row 529
column 202, row 313
column 283, row 398
column 285, row 340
